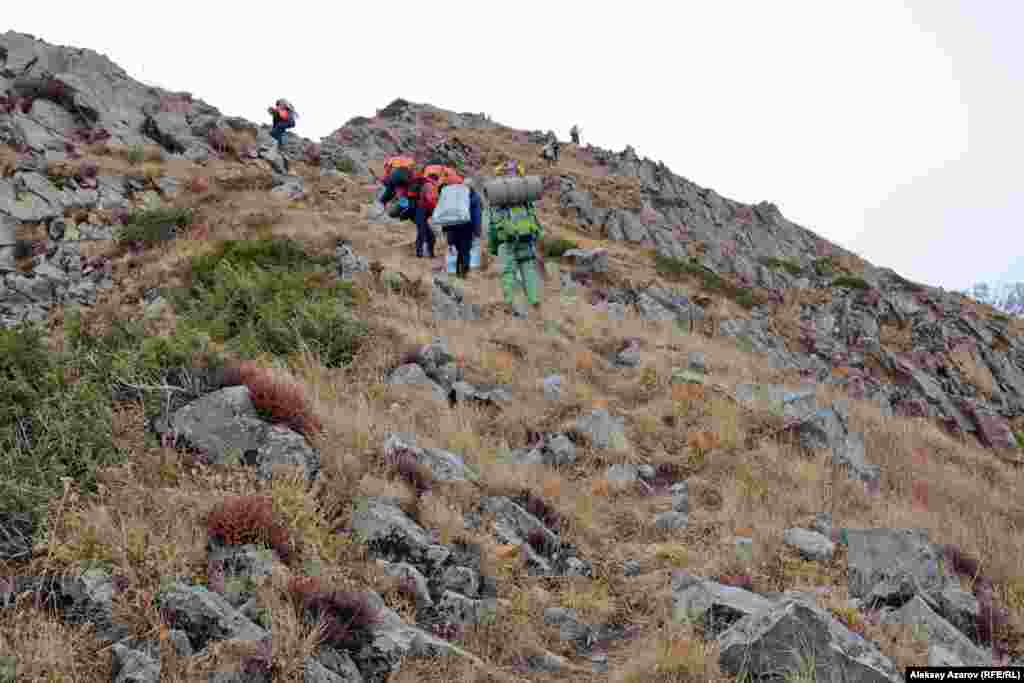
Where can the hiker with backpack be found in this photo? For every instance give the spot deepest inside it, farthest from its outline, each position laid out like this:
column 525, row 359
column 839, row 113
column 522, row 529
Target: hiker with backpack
column 458, row 211
column 574, row 133
column 551, row 149
column 435, row 177
column 284, row 117
column 514, row 233
column 402, row 180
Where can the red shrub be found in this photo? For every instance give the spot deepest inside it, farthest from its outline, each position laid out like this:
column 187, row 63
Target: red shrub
column 737, row 581
column 217, row 140
column 198, row 184
column 312, row 153
column 540, row 542
column 541, row 510
column 280, row 401
column 347, row 614
column 249, row 519
column 408, row 468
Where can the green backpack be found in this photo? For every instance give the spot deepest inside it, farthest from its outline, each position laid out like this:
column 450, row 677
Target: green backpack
column 515, row 223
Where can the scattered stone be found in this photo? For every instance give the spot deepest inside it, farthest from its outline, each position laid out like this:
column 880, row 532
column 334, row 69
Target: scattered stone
column 603, row 430
column 811, row 544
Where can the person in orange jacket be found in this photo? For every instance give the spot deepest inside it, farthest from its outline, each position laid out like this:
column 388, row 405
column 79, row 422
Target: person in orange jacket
column 284, row 117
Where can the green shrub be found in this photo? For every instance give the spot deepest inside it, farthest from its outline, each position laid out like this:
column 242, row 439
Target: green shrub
column 1020, row 439
column 676, row 269
column 264, row 296
column 345, row 165
column 825, row 267
column 155, row 225
column 51, row 426
column 850, row 282
column 136, row 155
column 1001, row 317
column 789, row 266
column 555, row 247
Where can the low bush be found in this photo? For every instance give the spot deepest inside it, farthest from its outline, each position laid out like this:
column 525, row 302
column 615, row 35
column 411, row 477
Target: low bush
column 676, row 269
column 347, row 615
column 149, row 226
column 554, row 247
column 268, row 296
column 850, row 282
column 250, row 519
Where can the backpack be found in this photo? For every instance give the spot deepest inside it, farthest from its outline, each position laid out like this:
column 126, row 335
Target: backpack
column 515, row 223
column 444, row 175
column 399, row 162
column 452, row 206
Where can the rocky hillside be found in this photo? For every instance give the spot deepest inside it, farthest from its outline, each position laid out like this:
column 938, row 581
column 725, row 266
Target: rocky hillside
column 245, row 435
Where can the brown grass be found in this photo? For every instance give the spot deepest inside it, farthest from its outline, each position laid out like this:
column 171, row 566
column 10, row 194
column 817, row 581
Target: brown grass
column 145, row 518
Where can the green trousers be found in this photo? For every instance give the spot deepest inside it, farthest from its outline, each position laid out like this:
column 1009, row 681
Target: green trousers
column 518, row 274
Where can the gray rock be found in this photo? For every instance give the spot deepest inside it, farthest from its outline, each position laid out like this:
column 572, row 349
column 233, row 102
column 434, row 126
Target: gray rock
column 794, row 636
column 133, row 666
column 464, row 580
column 811, row 544
column 716, row 606
column 697, row 362
column 938, row 631
column 225, row 424
column 570, row 628
column 413, row 578
column 349, row 263
column 388, row 530
column 444, row 466
column 631, row 568
column 823, row 524
column 890, row 566
column 827, row 429
column 553, row 387
column 671, row 520
column 337, row 663
column 447, row 303
column 412, row 374
column 603, row 430
column 391, row 640
column 680, row 492
column 622, row 473
column 180, row 643
column 456, row 608
column 588, row 260
column 494, row 395
column 206, row 616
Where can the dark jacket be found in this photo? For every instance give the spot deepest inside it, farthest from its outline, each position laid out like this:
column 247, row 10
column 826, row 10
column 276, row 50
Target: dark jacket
column 424, row 212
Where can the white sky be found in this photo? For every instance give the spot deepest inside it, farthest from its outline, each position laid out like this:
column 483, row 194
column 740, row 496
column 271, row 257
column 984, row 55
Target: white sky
column 891, row 129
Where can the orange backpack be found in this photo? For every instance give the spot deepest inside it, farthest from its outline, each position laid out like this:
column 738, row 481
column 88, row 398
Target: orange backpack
column 443, row 175
column 399, row 162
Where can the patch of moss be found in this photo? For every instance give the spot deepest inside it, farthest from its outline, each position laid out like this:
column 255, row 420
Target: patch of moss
column 850, row 282
column 791, row 267
column 826, row 267
column 676, row 269
column 554, row 247
column 155, row 225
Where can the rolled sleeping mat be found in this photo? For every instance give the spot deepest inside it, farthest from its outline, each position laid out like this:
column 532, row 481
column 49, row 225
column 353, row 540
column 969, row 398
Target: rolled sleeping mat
column 513, row 190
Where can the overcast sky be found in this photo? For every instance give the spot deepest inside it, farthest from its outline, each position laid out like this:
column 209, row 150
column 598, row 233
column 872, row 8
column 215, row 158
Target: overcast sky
column 891, row 128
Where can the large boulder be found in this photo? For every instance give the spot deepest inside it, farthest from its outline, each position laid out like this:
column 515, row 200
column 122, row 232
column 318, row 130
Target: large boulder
column 225, row 427
column 793, row 637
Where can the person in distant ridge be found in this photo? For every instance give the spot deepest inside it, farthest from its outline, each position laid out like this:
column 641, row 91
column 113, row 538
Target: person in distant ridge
column 550, row 150
column 574, row 133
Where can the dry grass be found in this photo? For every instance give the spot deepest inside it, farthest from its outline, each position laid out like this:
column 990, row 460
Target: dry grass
column 148, row 519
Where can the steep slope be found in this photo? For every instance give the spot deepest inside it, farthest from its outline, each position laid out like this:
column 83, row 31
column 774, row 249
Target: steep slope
column 273, row 443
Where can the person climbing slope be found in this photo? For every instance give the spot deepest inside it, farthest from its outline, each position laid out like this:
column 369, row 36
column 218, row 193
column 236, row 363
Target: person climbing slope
column 284, row 117
column 402, row 180
column 434, row 178
column 458, row 212
column 512, row 236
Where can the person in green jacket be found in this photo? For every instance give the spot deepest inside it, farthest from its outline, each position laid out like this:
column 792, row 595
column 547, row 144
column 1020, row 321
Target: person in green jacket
column 513, row 235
